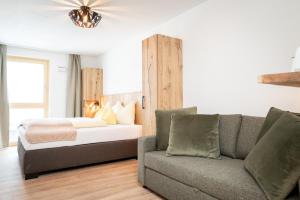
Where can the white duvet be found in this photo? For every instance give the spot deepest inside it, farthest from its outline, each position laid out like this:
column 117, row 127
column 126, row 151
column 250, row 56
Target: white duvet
column 82, row 122
column 104, row 133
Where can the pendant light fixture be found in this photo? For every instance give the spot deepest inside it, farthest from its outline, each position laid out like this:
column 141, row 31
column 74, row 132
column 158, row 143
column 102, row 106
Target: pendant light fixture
column 85, row 17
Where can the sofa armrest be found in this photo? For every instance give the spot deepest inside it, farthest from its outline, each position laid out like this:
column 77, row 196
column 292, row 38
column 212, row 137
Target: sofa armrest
column 145, row 144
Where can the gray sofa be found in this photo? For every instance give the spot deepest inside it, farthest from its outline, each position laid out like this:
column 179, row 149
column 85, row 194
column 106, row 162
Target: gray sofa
column 191, row 178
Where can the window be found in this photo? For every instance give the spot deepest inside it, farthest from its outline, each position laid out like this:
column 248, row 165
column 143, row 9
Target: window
column 27, row 81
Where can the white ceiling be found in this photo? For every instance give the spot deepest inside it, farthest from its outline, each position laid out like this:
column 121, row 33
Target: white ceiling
column 45, row 24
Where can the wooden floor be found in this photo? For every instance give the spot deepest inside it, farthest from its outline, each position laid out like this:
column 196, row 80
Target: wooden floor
column 116, row 180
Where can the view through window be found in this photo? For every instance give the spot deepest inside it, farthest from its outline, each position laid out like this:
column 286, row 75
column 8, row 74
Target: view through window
column 27, row 81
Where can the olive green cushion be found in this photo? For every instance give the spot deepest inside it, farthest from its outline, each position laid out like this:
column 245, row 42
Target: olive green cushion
column 273, row 115
column 275, row 160
column 194, row 135
column 163, row 122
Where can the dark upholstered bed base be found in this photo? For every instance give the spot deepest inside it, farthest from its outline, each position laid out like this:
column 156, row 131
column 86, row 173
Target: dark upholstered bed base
column 34, row 162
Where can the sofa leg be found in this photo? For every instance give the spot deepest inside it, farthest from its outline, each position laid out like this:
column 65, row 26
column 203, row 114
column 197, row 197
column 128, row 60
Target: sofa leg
column 30, row 176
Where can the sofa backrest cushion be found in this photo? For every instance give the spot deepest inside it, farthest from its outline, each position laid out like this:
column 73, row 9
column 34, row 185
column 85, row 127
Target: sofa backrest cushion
column 248, row 134
column 229, row 128
column 163, row 123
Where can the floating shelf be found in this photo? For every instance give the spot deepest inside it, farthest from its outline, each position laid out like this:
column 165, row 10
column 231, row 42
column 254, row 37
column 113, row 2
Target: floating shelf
column 285, row 79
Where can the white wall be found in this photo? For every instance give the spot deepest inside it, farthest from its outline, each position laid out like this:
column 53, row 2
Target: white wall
column 57, row 78
column 122, row 71
column 89, row 61
column 226, row 45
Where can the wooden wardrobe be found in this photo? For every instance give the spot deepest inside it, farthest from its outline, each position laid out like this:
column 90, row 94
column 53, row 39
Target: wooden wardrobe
column 162, row 78
column 92, row 87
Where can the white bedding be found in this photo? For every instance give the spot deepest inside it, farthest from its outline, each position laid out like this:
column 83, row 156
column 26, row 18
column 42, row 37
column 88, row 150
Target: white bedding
column 90, row 135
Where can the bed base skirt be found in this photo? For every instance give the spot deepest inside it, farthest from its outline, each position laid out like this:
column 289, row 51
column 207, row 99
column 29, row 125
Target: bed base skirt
column 35, row 162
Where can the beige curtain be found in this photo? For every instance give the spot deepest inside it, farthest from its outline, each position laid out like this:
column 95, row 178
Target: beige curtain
column 74, row 87
column 4, row 107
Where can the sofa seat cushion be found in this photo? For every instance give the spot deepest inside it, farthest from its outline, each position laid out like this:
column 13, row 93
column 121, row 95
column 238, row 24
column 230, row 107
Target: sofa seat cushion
column 225, row 178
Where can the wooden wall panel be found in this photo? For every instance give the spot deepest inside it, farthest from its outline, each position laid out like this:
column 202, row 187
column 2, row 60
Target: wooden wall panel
column 92, row 87
column 92, row 83
column 126, row 98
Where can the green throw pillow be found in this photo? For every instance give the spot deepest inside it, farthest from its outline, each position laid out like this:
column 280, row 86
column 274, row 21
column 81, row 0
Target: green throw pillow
column 163, row 122
column 274, row 162
column 194, row 135
column 273, row 115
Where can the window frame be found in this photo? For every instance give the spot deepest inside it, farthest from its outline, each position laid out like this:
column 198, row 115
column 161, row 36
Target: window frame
column 45, row 104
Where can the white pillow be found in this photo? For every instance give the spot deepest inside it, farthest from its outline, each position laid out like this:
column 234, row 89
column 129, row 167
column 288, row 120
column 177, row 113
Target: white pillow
column 117, row 107
column 125, row 114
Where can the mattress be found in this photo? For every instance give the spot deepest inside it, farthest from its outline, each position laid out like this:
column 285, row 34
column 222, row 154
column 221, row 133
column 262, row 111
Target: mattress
column 89, row 135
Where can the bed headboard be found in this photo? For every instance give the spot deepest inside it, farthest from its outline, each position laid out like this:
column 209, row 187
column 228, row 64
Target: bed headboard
column 126, row 98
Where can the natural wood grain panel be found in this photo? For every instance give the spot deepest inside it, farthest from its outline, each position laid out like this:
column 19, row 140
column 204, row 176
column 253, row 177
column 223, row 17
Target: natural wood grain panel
column 169, row 73
column 285, row 79
column 126, row 98
column 149, row 84
column 162, row 77
column 92, row 86
column 112, row 181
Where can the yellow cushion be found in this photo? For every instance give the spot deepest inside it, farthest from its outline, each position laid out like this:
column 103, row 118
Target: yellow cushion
column 99, row 113
column 106, row 114
column 109, row 116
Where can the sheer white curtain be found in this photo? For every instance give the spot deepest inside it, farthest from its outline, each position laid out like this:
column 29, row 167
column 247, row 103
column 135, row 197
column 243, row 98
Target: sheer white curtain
column 4, row 106
column 74, row 87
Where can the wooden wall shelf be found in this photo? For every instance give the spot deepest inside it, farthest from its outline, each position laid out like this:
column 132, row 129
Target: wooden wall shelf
column 285, row 79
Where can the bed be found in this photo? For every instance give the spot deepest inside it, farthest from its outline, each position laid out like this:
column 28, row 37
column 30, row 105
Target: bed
column 92, row 145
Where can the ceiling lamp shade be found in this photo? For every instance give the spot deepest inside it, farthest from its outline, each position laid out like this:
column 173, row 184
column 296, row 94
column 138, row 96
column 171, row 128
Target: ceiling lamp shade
column 85, row 17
